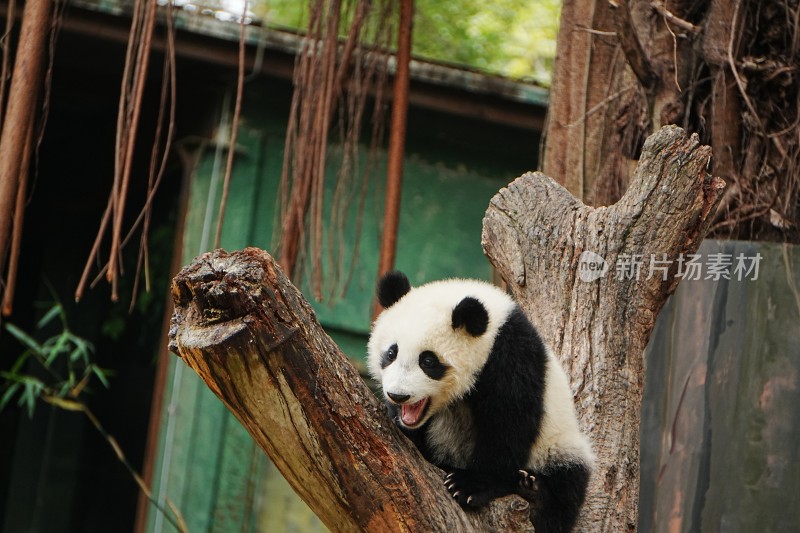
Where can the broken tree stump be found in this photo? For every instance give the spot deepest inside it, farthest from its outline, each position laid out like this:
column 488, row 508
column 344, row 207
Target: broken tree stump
column 248, row 333
column 552, row 250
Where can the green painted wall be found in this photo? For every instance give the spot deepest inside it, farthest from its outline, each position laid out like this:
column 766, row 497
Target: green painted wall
column 207, row 464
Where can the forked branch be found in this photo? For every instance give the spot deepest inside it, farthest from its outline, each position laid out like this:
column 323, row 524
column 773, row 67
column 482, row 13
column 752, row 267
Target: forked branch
column 593, row 280
column 250, row 335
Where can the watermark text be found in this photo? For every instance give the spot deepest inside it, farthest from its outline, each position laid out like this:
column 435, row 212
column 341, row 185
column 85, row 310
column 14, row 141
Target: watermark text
column 716, row 266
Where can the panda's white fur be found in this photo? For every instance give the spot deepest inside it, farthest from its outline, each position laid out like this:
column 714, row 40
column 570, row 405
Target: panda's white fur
column 421, row 320
column 560, row 437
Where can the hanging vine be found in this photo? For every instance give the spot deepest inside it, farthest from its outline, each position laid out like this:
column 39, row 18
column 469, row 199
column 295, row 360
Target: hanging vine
column 18, row 111
column 342, row 66
column 134, row 76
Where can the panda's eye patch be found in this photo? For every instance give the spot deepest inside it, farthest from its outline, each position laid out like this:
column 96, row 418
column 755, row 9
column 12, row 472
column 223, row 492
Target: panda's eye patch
column 431, row 365
column 389, row 356
column 428, row 360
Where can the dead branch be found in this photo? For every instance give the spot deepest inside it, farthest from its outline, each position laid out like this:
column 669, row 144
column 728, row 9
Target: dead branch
column 249, row 334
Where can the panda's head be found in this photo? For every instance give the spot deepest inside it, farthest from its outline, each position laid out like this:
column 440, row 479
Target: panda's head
column 430, row 343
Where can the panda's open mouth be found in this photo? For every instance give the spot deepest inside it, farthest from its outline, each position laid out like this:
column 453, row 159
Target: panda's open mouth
column 412, row 413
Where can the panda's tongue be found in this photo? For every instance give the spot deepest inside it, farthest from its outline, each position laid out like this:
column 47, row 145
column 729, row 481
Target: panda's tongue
column 411, row 413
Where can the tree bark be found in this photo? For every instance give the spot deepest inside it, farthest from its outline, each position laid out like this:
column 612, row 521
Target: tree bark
column 588, row 80
column 536, row 234
column 249, row 334
column 620, row 73
column 254, row 340
column 721, row 68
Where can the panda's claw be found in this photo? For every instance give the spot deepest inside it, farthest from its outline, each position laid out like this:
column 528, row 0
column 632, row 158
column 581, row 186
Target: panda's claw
column 472, row 490
column 527, row 480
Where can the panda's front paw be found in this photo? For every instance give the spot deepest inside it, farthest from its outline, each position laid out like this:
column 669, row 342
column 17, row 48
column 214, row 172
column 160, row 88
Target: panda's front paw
column 470, row 490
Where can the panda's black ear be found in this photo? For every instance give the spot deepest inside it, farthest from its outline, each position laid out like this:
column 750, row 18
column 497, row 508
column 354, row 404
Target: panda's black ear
column 391, row 287
column 472, row 315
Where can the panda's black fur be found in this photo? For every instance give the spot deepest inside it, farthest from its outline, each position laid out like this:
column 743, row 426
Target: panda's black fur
column 488, row 426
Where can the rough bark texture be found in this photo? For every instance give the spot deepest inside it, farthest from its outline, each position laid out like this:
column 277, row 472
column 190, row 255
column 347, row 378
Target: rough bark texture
column 578, row 118
column 725, row 69
column 535, row 232
column 249, row 334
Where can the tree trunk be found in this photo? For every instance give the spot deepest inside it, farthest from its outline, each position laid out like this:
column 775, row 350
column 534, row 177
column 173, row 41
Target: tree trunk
column 724, row 69
column 543, row 240
column 249, row 334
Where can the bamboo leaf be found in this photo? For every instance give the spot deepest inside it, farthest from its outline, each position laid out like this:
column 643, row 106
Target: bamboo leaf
column 60, row 346
column 8, row 394
column 78, row 354
column 14, row 370
column 28, row 397
column 48, row 316
column 64, row 389
column 101, row 375
column 82, row 351
column 24, row 338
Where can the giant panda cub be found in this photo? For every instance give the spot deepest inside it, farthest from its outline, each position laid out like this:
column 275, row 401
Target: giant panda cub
column 468, row 379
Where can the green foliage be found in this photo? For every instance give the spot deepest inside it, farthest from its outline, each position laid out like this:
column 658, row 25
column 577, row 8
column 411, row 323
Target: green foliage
column 514, row 38
column 56, row 370
column 288, row 13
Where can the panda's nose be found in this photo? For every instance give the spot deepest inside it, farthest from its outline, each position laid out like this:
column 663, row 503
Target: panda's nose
column 398, row 398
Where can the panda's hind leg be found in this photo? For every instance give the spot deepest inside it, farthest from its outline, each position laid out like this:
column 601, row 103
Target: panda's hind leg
column 556, row 495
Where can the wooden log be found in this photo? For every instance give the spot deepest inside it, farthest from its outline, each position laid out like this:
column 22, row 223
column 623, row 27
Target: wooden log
column 249, row 334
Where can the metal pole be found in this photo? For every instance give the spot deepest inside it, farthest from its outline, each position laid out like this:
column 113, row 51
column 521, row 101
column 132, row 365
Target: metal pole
column 397, row 140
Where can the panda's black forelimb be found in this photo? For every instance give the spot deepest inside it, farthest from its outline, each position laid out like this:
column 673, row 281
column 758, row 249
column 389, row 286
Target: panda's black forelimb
column 474, row 490
column 507, row 405
column 555, row 496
